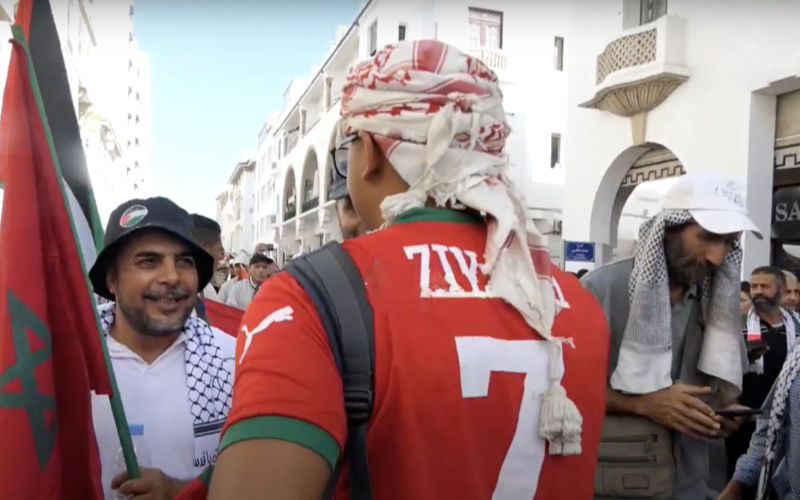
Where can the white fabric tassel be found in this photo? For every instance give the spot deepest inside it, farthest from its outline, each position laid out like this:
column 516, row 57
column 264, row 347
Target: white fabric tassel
column 560, row 422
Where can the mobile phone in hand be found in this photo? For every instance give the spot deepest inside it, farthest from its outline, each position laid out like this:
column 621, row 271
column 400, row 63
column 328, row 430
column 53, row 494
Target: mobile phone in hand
column 739, row 412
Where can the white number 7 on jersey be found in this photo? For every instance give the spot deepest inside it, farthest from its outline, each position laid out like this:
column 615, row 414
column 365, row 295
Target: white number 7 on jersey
column 478, row 357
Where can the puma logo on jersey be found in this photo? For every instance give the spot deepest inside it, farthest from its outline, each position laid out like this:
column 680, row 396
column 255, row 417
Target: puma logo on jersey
column 282, row 314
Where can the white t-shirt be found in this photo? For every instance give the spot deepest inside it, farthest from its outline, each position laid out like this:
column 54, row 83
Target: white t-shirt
column 241, row 294
column 155, row 396
column 210, row 293
column 225, row 289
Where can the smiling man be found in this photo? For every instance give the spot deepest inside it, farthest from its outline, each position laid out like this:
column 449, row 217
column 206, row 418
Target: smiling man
column 174, row 371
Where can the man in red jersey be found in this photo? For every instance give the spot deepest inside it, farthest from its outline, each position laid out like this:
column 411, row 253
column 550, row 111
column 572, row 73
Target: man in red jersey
column 476, row 395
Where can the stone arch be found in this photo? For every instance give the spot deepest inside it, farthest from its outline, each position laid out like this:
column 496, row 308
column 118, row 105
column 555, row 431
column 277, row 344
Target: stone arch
column 633, row 166
column 289, row 195
column 309, row 185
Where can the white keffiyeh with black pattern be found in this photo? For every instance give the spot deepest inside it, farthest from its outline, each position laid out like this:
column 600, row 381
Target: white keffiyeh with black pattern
column 780, row 397
column 645, row 357
column 209, row 378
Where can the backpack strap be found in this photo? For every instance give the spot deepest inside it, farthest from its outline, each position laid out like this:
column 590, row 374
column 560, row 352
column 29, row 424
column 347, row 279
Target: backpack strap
column 334, row 285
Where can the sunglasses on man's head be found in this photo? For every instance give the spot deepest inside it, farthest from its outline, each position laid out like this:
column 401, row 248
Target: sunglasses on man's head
column 341, row 153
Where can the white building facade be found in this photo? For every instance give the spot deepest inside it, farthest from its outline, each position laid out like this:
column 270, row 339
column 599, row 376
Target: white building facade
column 236, row 209
column 106, row 73
column 524, row 42
column 658, row 88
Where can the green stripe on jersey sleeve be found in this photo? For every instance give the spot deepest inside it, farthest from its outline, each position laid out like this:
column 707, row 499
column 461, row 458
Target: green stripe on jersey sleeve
column 286, row 429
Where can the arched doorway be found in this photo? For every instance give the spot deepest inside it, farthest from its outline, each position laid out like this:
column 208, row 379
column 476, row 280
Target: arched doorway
column 289, row 195
column 310, row 183
column 631, row 192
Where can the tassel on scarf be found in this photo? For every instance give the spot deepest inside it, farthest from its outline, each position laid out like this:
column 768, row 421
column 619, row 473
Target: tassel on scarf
column 561, row 422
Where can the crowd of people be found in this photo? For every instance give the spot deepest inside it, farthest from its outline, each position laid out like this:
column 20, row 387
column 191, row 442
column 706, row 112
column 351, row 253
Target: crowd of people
column 493, row 374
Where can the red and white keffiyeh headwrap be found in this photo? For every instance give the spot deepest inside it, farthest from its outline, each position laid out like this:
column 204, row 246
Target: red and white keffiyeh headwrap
column 437, row 114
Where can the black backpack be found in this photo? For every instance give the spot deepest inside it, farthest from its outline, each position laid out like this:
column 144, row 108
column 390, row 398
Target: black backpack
column 335, row 286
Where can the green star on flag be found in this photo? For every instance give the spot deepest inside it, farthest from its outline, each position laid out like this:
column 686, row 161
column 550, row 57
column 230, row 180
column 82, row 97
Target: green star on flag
column 38, row 406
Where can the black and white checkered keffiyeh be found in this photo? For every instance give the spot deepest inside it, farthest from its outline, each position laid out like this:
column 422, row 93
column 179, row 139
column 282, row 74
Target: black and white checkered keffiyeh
column 209, row 378
column 780, row 398
column 645, row 358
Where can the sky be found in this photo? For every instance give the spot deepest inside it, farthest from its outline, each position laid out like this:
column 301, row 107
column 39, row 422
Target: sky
column 218, row 69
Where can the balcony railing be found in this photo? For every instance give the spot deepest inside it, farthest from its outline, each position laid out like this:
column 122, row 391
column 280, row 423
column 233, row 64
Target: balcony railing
column 291, row 141
column 289, row 213
column 638, row 70
column 496, row 59
column 625, row 52
column 310, row 204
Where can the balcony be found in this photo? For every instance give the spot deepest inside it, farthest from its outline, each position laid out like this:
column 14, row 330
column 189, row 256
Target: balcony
column 291, row 141
column 639, row 70
column 310, row 204
column 289, row 213
column 496, row 59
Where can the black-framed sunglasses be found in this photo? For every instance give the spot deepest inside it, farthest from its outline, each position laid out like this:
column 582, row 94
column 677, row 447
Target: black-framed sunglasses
column 341, row 153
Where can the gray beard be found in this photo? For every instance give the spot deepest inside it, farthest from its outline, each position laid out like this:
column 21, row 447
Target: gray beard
column 149, row 326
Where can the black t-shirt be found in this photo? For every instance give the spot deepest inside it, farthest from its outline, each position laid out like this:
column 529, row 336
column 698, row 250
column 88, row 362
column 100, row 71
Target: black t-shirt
column 755, row 387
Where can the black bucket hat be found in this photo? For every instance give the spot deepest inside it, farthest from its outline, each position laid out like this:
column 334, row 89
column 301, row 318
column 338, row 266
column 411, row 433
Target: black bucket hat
column 138, row 215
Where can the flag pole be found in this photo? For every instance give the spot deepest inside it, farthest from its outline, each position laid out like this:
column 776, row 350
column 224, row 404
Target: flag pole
column 116, row 403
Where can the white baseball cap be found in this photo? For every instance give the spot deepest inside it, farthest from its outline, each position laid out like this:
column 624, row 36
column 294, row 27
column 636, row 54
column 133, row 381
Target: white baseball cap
column 716, row 203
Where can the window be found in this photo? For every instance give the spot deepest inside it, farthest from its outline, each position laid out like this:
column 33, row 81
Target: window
column 373, row 38
column 558, row 53
column 555, row 150
column 650, row 10
column 401, row 32
column 638, row 12
column 485, row 29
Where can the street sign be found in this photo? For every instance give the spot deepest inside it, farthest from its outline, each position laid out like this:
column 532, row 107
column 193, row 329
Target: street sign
column 578, row 251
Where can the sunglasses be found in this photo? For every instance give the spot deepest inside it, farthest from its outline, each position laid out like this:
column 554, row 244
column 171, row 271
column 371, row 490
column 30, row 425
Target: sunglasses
column 341, row 153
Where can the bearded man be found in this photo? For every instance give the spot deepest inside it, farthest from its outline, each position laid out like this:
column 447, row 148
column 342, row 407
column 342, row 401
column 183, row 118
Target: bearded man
column 175, row 372
column 677, row 354
column 771, row 334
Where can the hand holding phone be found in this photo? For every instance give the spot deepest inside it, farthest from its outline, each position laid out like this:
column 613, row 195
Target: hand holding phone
column 738, row 412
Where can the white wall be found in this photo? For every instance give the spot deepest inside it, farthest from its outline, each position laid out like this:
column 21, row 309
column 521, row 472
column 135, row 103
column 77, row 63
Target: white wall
column 708, row 122
column 247, row 187
column 535, row 94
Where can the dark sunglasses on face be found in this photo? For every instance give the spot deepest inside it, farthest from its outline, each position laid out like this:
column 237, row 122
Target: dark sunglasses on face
column 340, row 154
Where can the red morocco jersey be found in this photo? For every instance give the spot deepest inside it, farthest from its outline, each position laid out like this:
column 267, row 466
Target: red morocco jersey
column 458, row 375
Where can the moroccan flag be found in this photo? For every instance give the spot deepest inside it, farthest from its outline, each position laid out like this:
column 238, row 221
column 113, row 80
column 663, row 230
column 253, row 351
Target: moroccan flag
column 224, row 317
column 51, row 353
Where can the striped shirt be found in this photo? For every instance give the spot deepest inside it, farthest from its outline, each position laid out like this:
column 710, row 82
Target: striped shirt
column 785, row 479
